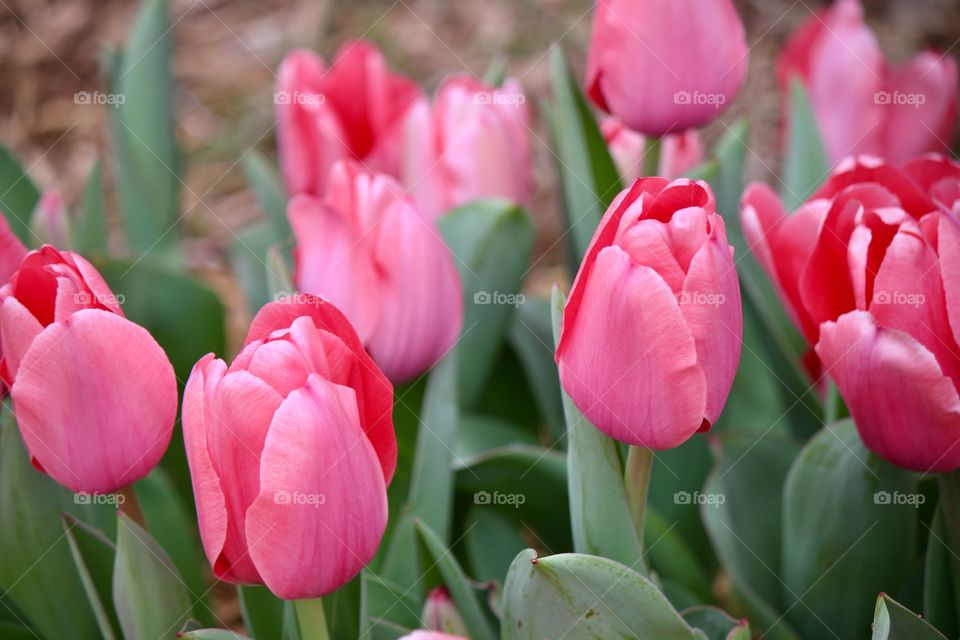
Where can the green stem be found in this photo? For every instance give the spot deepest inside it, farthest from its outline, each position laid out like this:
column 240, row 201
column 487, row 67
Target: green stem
column 651, row 157
column 311, row 619
column 950, row 508
column 637, row 483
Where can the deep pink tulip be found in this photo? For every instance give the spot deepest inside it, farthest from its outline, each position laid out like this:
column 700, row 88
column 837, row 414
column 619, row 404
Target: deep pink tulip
column 652, row 329
column 291, row 448
column 368, row 248
column 863, row 106
column 353, row 109
column 666, row 66
column 679, row 152
column 870, row 270
column 473, row 142
column 94, row 394
column 12, row 251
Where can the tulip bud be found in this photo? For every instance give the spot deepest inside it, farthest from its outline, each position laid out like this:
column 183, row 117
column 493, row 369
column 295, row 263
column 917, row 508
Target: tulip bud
column 652, row 328
column 50, row 221
column 663, row 67
column 679, row 153
column 369, row 249
column 440, row 614
column 291, row 449
column 862, row 106
column 94, row 394
column 473, row 143
column 870, row 270
column 354, row 110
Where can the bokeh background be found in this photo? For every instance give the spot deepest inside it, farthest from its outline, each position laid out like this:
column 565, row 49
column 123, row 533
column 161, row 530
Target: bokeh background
column 226, row 53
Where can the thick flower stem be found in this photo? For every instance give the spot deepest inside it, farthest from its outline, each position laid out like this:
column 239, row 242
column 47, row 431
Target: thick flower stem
column 651, row 157
column 637, row 483
column 127, row 503
column 311, row 619
column 950, row 509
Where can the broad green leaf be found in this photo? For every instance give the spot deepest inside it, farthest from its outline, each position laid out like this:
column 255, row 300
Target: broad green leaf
column 741, row 506
column 492, row 542
column 672, row 559
column 37, row 574
column 941, row 570
column 262, row 613
column 267, row 184
column 524, row 483
column 440, row 559
column 387, row 610
column 430, row 498
column 18, row 196
column 343, row 610
column 716, row 624
column 531, row 336
column 147, row 158
column 14, row 631
column 599, row 511
column 587, row 172
column 730, row 154
column 805, row 165
column 844, row 508
column 477, row 434
column 491, row 241
column 892, row 621
column 151, row 599
column 89, row 229
column 579, row 596
column 248, row 255
column 94, row 554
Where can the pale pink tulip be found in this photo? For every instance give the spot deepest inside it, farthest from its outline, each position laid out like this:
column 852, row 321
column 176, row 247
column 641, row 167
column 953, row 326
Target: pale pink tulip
column 862, row 105
column 353, row 109
column 50, row 221
column 94, row 394
column 473, row 142
column 664, row 67
column 870, row 269
column 291, row 448
column 652, row 329
column 679, row 153
column 368, row 248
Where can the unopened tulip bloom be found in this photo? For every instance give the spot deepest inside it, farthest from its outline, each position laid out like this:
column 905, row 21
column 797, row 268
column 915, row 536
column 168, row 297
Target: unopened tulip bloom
column 353, row 109
column 862, row 104
column 368, row 248
column 473, row 142
column 94, row 394
column 652, row 328
column 441, row 614
column 679, row 153
column 291, row 448
column 870, row 269
column 666, row 66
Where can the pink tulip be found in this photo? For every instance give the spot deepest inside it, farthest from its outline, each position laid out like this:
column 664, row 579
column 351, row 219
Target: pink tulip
column 12, row 250
column 870, row 269
column 664, row 67
column 94, row 394
column 369, row 249
column 291, row 448
column 862, row 106
column 50, row 222
column 351, row 110
column 474, row 142
column 651, row 331
column 679, row 153
column 430, row 635
column 441, row 614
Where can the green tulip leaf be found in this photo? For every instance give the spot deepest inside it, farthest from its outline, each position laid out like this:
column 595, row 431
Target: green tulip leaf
column 212, row 634
column 893, row 621
column 267, row 185
column 716, row 624
column 18, row 197
column 386, row 610
column 531, row 337
column 89, row 230
column 262, row 612
column 94, row 555
column 939, row 594
column 805, row 165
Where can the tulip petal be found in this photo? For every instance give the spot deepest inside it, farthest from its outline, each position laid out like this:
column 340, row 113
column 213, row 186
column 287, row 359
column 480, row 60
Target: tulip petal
column 376, row 409
column 96, row 400
column 855, row 171
column 628, row 359
column 12, row 251
column 905, row 409
column 18, row 329
column 322, row 507
column 948, row 247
